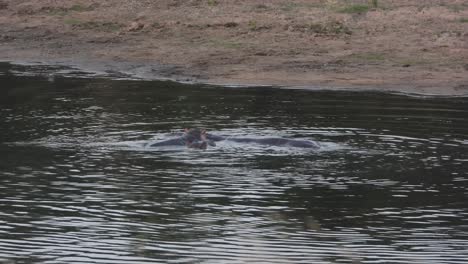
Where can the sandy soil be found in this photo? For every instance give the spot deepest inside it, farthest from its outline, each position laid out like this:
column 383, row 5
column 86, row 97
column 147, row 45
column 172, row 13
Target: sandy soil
column 400, row 45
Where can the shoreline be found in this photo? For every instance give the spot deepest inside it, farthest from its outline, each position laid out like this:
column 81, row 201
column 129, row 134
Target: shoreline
column 95, row 69
column 398, row 47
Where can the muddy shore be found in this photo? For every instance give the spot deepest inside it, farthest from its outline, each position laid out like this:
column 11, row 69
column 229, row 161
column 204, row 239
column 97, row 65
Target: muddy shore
column 404, row 46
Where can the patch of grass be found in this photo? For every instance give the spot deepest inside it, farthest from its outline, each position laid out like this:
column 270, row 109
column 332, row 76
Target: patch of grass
column 72, row 21
column 354, row 9
column 252, row 25
column 331, row 28
column 112, row 27
column 374, row 3
column 60, row 11
column 463, row 20
column 57, row 12
column 212, row 2
column 327, row 28
column 289, row 6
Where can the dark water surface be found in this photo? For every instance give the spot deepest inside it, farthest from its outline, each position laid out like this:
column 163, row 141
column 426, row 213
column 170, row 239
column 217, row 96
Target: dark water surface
column 78, row 185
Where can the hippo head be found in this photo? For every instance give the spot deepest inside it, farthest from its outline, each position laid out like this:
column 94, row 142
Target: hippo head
column 196, row 138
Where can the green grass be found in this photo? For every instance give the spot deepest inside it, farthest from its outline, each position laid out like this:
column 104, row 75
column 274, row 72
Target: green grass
column 252, row 25
column 354, row 9
column 101, row 26
column 288, row 7
column 212, row 2
column 324, row 28
column 368, row 57
column 72, row 21
column 331, row 28
column 463, row 20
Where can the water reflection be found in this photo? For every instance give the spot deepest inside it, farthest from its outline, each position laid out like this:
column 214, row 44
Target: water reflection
column 78, row 185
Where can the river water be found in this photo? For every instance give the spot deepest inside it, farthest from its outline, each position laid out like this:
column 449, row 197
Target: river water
column 78, row 185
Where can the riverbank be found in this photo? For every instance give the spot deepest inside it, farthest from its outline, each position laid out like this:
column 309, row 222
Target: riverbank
column 405, row 46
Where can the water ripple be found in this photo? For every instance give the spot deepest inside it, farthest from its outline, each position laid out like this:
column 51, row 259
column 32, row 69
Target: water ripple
column 79, row 185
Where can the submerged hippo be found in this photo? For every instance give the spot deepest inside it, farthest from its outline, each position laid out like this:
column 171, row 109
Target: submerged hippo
column 198, row 138
column 192, row 138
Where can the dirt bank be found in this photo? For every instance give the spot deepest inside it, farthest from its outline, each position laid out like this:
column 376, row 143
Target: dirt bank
column 403, row 45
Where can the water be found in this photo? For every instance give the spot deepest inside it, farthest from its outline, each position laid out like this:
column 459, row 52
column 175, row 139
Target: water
column 78, row 185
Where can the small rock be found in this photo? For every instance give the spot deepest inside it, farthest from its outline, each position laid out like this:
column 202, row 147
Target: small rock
column 135, row 26
column 406, row 65
column 3, row 5
column 465, row 67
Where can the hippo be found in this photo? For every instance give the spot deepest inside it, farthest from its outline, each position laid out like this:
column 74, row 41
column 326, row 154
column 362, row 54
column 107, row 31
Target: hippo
column 191, row 138
column 200, row 139
column 272, row 141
